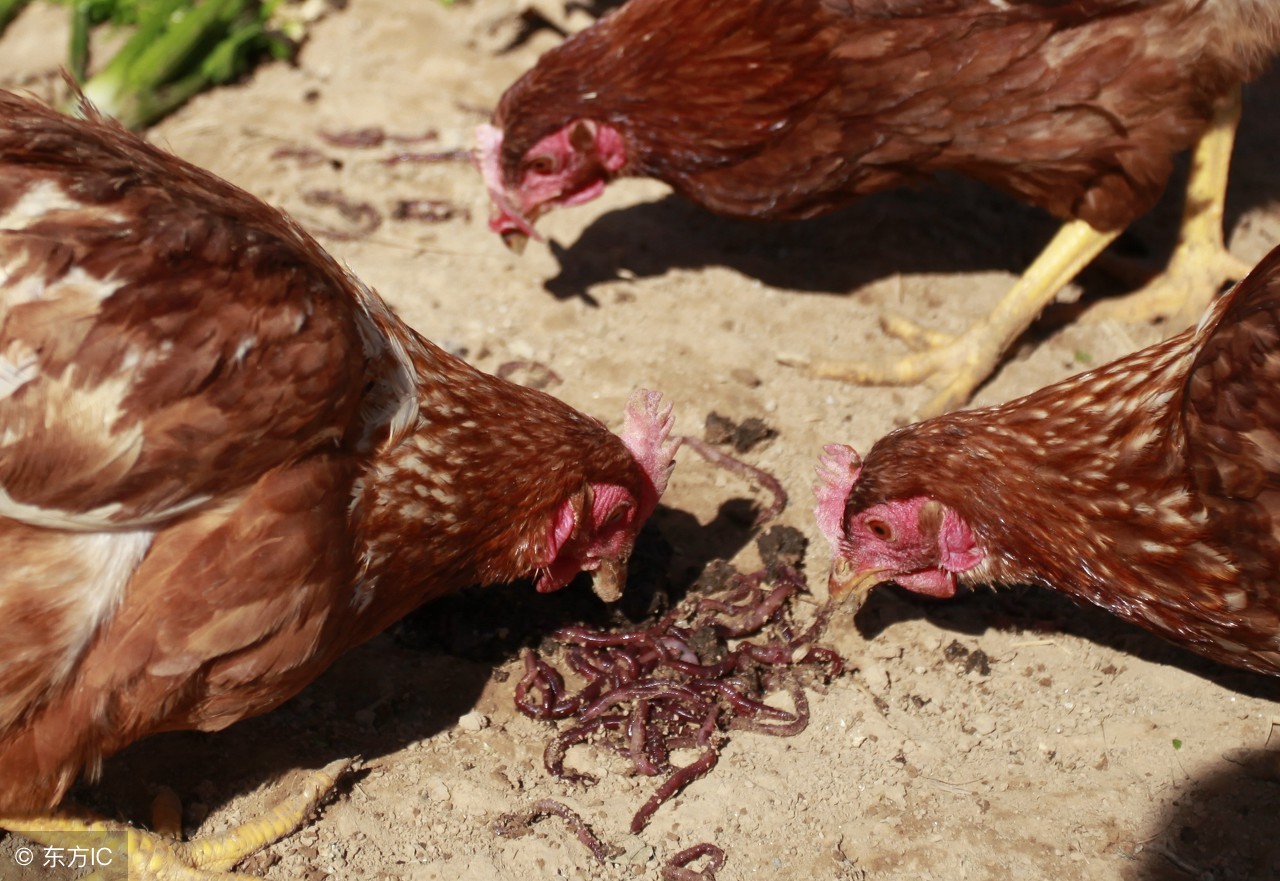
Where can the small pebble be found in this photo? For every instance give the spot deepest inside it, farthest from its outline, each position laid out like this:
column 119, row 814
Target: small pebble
column 473, row 722
column 984, row 724
column 876, row 677
column 642, row 855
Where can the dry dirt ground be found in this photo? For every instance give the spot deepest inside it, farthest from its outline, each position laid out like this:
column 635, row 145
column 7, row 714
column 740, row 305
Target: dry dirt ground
column 1088, row 750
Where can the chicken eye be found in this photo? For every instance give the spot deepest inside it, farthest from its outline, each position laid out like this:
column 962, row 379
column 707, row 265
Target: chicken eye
column 880, row 529
column 615, row 516
column 542, row 165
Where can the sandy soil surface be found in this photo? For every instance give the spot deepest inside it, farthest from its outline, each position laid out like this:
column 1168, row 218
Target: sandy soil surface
column 1082, row 749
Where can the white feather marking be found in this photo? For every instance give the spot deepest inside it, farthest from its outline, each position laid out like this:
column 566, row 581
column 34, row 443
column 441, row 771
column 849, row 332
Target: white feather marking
column 414, row 511
column 377, row 315
column 112, row 558
column 93, row 411
column 32, row 286
column 44, row 198
column 1229, row 645
column 1160, row 401
column 16, row 373
column 420, row 466
column 442, row 497
column 243, row 348
column 1237, row 600
column 104, row 517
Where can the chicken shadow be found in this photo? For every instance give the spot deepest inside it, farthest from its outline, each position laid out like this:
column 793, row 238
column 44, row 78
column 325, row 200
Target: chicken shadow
column 952, row 225
column 1038, row 610
column 376, row 699
column 410, row 683
column 948, row 227
column 492, row 625
column 1221, row 827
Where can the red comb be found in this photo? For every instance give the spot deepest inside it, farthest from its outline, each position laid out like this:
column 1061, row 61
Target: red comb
column 647, row 434
column 838, row 471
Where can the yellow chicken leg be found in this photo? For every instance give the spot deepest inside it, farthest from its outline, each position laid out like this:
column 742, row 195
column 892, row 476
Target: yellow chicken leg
column 1200, row 264
column 153, row 857
column 956, row 365
column 1198, row 268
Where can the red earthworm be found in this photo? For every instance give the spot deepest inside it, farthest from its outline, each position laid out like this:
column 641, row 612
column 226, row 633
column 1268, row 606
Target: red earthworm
column 763, row 478
column 675, row 869
column 433, row 156
column 515, row 824
column 681, row 778
column 374, row 136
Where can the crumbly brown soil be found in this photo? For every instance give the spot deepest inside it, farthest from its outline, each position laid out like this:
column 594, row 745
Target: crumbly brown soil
column 1074, row 747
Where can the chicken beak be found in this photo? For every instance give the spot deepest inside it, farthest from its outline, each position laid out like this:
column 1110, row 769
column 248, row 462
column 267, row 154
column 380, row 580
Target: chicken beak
column 848, row 587
column 515, row 240
column 506, row 216
column 609, row 580
column 515, row 226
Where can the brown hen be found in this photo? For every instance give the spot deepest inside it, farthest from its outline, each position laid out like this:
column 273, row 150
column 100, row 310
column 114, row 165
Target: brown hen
column 784, row 109
column 224, row 461
column 1150, row 487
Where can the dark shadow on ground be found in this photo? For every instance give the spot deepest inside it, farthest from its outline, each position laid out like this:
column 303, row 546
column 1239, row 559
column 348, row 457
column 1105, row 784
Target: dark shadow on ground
column 1222, row 827
column 412, row 682
column 1043, row 612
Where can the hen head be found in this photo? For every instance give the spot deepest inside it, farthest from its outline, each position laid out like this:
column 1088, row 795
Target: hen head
column 567, row 167
column 595, row 530
column 918, row 543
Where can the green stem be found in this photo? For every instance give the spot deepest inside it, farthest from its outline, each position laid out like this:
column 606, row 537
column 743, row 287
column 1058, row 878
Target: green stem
column 163, row 58
column 180, row 48
column 78, row 52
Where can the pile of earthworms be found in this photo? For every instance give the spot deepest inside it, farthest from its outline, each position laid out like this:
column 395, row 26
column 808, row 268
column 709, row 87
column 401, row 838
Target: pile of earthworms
column 682, row 683
column 703, row 670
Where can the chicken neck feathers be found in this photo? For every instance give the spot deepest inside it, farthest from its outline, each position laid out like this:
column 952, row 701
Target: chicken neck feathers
column 1148, row 486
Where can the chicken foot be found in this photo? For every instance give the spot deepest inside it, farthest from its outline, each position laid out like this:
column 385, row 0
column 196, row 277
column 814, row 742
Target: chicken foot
column 153, row 857
column 956, row 365
column 1200, row 264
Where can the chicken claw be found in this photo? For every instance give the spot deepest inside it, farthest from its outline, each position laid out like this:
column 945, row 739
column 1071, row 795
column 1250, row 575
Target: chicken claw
column 956, row 365
column 154, row 857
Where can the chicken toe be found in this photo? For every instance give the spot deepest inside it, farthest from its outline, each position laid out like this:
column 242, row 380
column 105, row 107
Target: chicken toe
column 955, row 366
column 154, row 857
